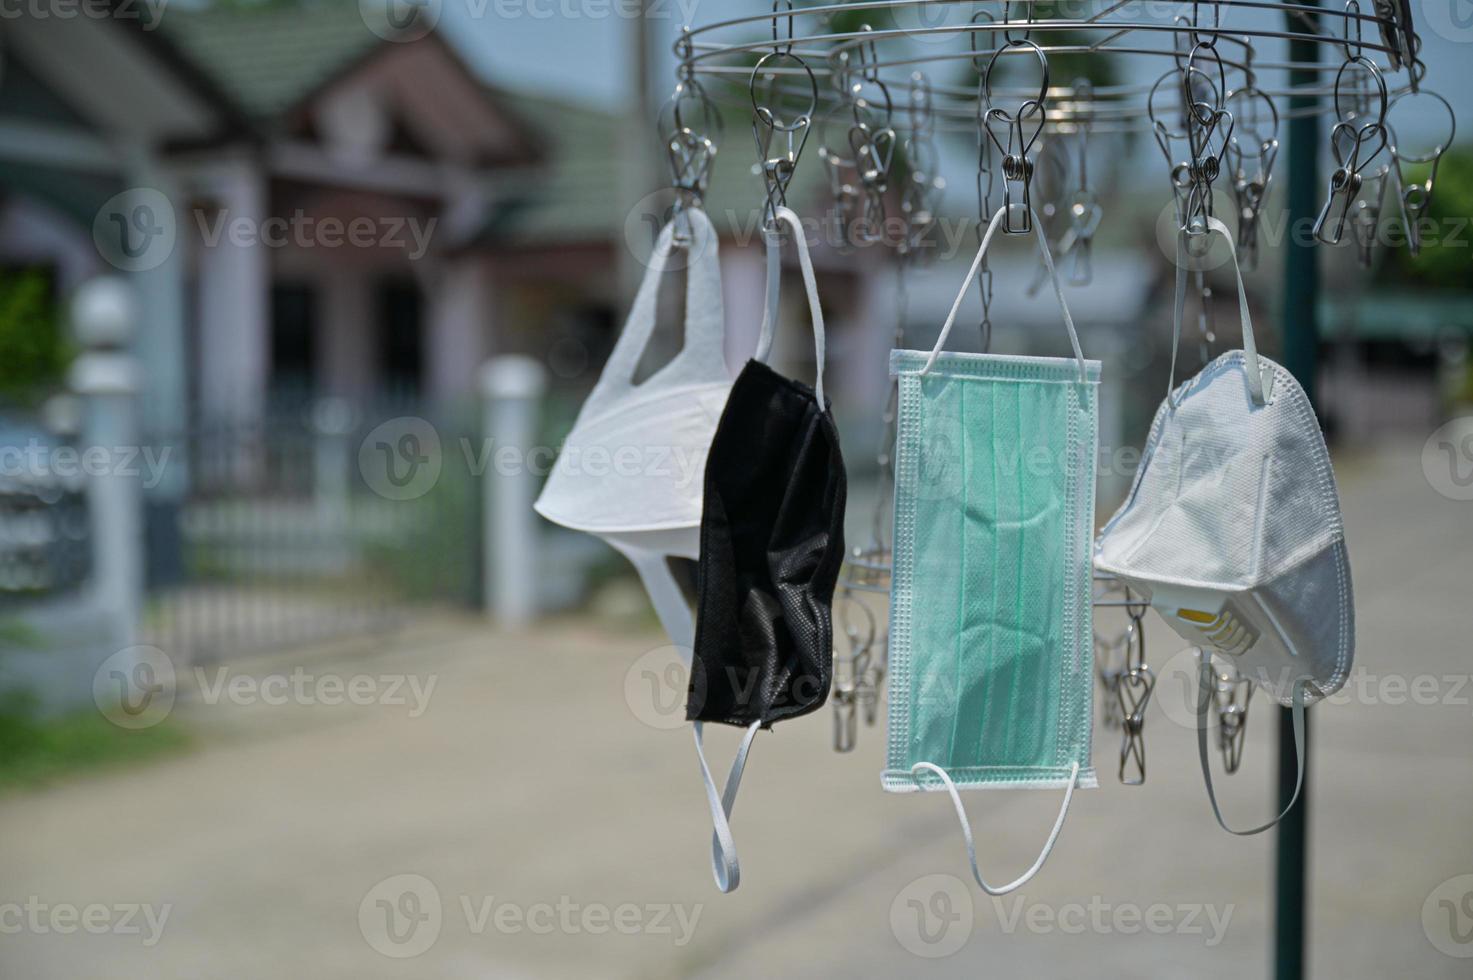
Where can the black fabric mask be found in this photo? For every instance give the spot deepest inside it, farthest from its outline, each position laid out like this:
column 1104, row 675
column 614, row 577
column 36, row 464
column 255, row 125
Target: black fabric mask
column 772, row 541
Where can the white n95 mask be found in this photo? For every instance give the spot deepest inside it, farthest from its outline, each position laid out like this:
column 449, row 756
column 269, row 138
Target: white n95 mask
column 1232, row 529
column 632, row 470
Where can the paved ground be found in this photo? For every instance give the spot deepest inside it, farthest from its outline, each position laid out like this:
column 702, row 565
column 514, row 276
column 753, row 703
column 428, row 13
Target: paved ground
column 536, row 800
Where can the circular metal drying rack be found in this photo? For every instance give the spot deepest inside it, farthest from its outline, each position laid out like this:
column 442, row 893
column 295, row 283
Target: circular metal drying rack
column 723, row 53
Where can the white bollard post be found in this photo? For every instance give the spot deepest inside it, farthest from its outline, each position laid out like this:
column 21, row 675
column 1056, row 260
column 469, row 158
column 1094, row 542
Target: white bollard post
column 511, row 390
column 332, row 421
column 105, row 377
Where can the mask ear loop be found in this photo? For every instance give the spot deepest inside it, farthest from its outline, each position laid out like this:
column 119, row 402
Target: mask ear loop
column 1048, row 262
column 1204, row 698
column 671, row 608
column 773, row 240
column 1257, row 383
column 961, row 814
column 724, row 864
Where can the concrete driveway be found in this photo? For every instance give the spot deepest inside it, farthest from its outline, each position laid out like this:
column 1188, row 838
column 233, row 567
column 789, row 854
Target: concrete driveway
column 525, row 805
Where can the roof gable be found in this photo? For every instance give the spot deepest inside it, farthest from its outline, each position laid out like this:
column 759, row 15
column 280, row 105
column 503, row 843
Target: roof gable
column 299, row 68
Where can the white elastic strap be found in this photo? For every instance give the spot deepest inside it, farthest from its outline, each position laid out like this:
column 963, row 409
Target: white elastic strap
column 773, row 241
column 1048, row 263
column 1205, row 686
column 1250, row 347
column 724, row 864
column 961, row 814
column 669, row 602
column 704, row 318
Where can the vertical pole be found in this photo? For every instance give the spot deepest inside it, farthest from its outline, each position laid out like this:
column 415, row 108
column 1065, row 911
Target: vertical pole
column 511, row 389
column 332, row 421
column 105, row 377
column 639, row 168
column 1301, row 340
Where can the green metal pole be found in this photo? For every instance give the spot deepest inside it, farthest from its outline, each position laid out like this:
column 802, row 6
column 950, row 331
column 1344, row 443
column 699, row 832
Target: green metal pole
column 1301, row 341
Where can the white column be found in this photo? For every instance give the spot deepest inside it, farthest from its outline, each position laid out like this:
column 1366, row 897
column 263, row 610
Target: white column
column 158, row 341
column 346, row 329
column 458, row 327
column 234, row 291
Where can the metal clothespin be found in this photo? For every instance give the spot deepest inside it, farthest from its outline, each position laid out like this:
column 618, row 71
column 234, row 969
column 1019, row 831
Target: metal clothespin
column 851, row 667
column 1084, row 209
column 1366, row 216
column 1209, row 132
column 1354, row 147
column 925, row 184
column 1016, row 162
column 1134, row 693
column 1050, row 175
column 1166, row 140
column 690, row 149
column 1231, row 693
column 1256, row 141
column 871, row 679
column 843, row 174
column 1109, row 668
column 779, row 163
column 871, row 139
column 1415, row 197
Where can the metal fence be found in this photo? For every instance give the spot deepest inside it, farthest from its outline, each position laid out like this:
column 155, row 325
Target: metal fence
column 45, row 546
column 297, row 524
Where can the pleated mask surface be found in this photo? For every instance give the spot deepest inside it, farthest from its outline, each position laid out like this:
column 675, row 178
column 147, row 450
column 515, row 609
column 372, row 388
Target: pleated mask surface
column 991, row 645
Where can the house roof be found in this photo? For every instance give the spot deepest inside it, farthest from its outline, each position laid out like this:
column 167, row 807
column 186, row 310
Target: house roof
column 270, row 58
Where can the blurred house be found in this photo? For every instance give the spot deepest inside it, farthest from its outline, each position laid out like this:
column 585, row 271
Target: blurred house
column 336, row 213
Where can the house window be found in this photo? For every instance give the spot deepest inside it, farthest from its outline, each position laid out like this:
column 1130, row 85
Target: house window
column 293, row 337
column 400, row 336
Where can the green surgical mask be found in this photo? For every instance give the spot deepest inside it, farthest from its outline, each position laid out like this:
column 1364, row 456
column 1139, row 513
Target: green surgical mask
column 990, row 659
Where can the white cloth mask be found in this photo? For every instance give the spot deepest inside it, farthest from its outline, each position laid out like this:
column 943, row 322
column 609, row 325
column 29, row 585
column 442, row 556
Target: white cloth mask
column 632, row 469
column 1232, row 529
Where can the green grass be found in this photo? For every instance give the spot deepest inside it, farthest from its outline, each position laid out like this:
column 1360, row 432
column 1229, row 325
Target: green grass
column 35, row 751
